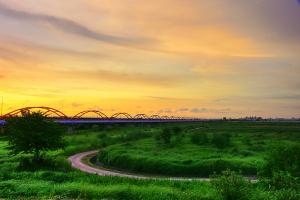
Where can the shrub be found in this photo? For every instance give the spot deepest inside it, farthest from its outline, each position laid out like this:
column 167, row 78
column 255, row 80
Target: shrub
column 281, row 180
column 178, row 133
column 199, row 138
column 165, row 136
column 135, row 135
column 157, row 137
column 105, row 140
column 232, row 186
column 95, row 127
column 283, row 158
column 177, row 130
column 47, row 163
column 286, row 194
column 102, row 136
column 221, row 140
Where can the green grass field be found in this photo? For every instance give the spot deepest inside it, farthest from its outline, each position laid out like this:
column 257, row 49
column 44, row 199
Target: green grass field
column 249, row 144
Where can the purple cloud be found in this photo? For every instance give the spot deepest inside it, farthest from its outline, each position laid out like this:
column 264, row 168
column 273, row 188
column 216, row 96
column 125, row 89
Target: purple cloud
column 71, row 27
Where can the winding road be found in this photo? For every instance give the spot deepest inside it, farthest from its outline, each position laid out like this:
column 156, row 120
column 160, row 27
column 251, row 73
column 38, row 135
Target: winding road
column 76, row 161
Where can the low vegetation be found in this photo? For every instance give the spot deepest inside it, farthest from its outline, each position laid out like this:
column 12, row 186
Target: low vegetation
column 249, row 143
column 231, row 185
column 205, row 151
column 283, row 157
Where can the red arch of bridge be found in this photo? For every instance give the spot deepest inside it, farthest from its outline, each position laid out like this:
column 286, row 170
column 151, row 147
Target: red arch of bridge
column 99, row 113
column 117, row 115
column 141, row 116
column 165, row 117
column 155, row 117
column 46, row 111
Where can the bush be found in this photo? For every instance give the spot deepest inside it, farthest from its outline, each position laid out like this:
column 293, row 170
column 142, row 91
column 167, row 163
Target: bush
column 105, row 140
column 135, row 135
column 165, row 136
column 221, row 140
column 102, row 136
column 232, row 186
column 199, row 138
column 178, row 133
column 283, row 158
column 281, row 180
column 286, row 194
column 45, row 163
column 177, row 130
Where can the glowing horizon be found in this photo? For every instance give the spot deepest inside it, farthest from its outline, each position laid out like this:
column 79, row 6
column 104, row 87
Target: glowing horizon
column 222, row 58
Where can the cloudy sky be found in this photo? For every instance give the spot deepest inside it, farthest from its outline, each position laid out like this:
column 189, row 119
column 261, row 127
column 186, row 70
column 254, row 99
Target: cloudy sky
column 172, row 57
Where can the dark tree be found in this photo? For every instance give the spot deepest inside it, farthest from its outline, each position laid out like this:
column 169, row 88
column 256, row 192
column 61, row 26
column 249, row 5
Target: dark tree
column 33, row 133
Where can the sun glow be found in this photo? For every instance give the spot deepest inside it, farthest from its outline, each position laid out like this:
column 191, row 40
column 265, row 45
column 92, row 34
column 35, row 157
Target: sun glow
column 206, row 59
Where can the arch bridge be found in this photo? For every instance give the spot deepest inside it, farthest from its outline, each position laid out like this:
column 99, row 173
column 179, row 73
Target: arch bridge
column 45, row 111
column 91, row 116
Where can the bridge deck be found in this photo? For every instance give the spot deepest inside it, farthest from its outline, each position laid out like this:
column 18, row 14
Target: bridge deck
column 100, row 121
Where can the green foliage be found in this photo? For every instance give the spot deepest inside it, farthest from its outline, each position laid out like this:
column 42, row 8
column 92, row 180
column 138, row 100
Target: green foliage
column 281, row 180
column 59, row 164
column 165, row 136
column 135, row 135
column 33, row 133
column 177, row 130
column 286, row 194
column 199, row 138
column 221, row 140
column 178, row 133
column 283, row 157
column 185, row 160
column 231, row 186
column 157, row 166
column 102, row 136
column 62, row 182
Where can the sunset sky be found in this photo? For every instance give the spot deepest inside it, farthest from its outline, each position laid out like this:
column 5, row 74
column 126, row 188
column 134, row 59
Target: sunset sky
column 170, row 57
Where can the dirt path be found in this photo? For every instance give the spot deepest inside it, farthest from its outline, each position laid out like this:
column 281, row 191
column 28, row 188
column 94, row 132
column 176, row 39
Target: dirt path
column 76, row 161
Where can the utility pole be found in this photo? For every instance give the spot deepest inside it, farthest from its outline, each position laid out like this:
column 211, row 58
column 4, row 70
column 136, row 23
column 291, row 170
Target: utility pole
column 1, row 105
column 1, row 128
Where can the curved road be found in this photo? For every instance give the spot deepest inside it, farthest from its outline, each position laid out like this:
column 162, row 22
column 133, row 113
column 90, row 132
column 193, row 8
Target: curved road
column 76, row 161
